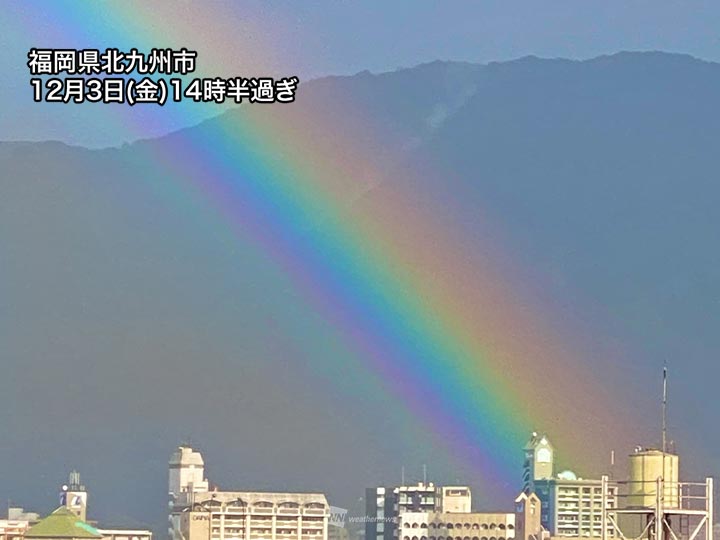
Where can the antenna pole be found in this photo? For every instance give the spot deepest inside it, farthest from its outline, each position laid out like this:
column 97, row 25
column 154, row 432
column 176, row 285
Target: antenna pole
column 664, row 411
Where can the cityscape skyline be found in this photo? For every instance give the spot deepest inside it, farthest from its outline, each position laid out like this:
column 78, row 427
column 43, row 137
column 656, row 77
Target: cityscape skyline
column 187, row 476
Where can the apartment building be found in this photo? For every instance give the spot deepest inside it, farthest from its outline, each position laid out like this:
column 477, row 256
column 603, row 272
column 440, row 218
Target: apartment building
column 197, row 513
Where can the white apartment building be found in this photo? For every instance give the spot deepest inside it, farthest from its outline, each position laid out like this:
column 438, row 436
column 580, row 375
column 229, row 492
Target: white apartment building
column 572, row 507
column 196, row 513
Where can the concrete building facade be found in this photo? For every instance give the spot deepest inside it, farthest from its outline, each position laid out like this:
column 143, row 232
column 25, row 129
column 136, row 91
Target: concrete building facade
column 456, row 526
column 527, row 517
column 455, row 499
column 385, row 505
column 572, row 507
column 196, row 513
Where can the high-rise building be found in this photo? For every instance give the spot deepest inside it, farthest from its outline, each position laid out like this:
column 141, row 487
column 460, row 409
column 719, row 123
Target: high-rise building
column 385, row 505
column 187, row 472
column 572, row 506
column 197, row 513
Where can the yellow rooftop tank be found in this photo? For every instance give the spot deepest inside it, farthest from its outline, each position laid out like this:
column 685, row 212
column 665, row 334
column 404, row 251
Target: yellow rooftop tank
column 646, row 466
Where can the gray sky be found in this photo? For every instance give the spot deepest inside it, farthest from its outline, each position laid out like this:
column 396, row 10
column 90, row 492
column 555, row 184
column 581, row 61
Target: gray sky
column 313, row 39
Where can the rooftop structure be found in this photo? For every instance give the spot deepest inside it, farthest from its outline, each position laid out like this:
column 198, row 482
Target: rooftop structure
column 62, row 524
column 196, row 513
column 187, row 472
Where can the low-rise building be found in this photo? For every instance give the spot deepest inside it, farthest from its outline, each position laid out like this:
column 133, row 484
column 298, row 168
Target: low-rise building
column 12, row 529
column 456, row 526
column 17, row 523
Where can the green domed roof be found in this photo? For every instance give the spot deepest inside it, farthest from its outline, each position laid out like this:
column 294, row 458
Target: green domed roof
column 62, row 523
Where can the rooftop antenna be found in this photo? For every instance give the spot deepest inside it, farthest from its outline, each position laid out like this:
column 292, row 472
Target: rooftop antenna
column 402, row 475
column 424, row 474
column 664, row 411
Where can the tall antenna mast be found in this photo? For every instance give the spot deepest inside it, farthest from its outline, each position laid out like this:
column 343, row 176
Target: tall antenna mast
column 664, row 411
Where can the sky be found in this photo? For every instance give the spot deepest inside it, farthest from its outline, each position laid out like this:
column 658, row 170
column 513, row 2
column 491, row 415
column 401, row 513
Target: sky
column 163, row 268
column 314, row 39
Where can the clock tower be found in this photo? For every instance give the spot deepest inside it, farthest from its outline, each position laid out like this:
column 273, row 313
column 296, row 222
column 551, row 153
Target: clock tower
column 539, row 461
column 74, row 497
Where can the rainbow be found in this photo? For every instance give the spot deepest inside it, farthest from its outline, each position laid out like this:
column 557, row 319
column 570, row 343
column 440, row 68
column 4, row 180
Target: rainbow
column 460, row 340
